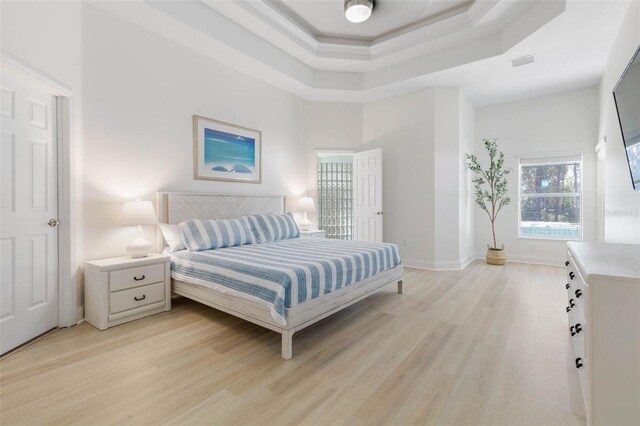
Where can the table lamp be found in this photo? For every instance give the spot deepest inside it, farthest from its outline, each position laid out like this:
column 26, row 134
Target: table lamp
column 305, row 204
column 138, row 213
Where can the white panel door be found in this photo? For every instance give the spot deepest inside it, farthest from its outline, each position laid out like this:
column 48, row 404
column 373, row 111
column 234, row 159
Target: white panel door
column 28, row 243
column 367, row 195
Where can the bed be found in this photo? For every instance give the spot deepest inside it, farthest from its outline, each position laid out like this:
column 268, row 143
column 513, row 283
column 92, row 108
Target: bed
column 285, row 285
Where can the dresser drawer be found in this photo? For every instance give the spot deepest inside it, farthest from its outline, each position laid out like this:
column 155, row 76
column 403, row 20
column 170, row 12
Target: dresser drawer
column 574, row 278
column 136, row 297
column 135, row 277
column 578, row 343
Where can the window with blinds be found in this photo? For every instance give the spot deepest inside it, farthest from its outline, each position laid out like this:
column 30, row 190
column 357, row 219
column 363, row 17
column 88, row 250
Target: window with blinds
column 335, row 196
column 550, row 197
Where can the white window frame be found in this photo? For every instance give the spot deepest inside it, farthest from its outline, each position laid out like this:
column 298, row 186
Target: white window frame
column 545, row 160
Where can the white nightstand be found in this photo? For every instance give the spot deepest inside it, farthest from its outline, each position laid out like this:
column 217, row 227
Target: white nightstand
column 316, row 233
column 123, row 289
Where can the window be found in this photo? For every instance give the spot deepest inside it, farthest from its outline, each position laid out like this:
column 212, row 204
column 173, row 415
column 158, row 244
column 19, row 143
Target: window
column 550, row 197
column 335, row 196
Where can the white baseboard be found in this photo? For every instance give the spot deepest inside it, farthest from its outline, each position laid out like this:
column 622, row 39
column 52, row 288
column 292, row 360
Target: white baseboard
column 463, row 263
column 467, row 260
column 439, row 265
column 80, row 315
column 534, row 260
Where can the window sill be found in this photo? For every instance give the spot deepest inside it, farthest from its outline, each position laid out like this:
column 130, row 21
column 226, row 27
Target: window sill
column 520, row 237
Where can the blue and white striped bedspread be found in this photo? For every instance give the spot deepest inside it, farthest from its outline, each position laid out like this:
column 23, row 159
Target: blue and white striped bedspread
column 284, row 273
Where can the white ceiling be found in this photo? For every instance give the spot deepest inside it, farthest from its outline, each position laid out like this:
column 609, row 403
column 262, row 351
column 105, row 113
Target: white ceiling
column 325, row 18
column 299, row 46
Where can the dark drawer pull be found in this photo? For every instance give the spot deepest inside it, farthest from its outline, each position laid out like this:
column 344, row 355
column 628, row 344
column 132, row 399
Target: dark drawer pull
column 578, row 328
column 578, row 293
column 573, row 333
column 567, row 285
column 141, row 278
column 568, row 308
column 566, row 263
column 144, row 296
column 571, row 275
column 571, row 303
column 579, row 363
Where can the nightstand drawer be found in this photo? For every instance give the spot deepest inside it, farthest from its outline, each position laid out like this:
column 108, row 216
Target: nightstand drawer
column 136, row 297
column 135, row 277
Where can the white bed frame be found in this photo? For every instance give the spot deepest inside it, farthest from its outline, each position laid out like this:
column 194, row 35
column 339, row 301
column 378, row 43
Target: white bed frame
column 174, row 207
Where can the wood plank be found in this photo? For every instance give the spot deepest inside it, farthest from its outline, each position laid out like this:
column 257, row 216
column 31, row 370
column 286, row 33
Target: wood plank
column 486, row 345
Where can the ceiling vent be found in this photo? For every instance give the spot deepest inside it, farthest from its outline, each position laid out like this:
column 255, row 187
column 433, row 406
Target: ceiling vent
column 523, row 60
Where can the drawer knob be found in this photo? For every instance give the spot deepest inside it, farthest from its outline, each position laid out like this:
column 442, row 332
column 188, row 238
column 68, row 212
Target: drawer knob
column 579, row 363
column 578, row 328
column 144, row 296
column 568, row 308
column 567, row 285
column 566, row 263
column 140, row 278
column 578, row 293
column 571, row 275
column 573, row 333
column 571, row 303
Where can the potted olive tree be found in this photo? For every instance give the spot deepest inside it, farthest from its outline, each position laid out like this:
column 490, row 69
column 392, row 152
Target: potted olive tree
column 491, row 193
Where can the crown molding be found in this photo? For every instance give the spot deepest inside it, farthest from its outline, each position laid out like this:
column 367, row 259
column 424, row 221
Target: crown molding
column 283, row 53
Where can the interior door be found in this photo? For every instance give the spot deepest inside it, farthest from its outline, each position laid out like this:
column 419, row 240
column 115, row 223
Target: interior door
column 28, row 211
column 367, row 195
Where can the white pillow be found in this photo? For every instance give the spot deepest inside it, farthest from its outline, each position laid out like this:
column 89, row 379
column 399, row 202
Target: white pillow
column 173, row 236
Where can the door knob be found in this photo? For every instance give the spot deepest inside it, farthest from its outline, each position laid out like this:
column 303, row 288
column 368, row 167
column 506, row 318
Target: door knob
column 53, row 223
column 380, row 213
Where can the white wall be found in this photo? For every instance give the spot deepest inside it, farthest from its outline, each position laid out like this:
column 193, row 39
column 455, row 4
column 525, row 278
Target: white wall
column 561, row 122
column 446, row 177
column 621, row 202
column 466, row 200
column 140, row 92
column 330, row 126
column 403, row 127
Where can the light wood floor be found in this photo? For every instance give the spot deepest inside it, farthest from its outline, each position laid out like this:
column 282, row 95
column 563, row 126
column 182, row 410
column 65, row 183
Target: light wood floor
column 487, row 345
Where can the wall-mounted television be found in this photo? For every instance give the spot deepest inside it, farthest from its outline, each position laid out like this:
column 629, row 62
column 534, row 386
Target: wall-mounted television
column 627, row 99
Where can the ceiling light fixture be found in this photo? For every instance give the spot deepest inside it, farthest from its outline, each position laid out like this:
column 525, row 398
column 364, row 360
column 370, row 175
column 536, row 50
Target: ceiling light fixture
column 358, row 10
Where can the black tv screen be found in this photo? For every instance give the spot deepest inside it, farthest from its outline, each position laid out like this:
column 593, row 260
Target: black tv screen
column 627, row 98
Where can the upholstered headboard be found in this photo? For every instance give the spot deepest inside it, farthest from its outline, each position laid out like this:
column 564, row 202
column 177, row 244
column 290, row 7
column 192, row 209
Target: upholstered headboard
column 175, row 207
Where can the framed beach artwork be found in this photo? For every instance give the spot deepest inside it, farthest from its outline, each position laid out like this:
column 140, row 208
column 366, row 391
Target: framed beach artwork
column 226, row 152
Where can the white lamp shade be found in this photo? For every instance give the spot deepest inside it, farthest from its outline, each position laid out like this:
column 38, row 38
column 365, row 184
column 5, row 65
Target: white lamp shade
column 306, row 204
column 138, row 212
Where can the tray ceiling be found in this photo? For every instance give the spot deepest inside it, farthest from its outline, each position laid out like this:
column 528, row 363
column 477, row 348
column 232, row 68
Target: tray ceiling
column 325, row 18
column 301, row 47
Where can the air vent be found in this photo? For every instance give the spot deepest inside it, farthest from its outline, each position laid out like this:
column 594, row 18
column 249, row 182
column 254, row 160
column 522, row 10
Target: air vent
column 524, row 60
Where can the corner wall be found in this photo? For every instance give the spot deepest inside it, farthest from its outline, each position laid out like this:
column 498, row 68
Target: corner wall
column 427, row 204
column 403, row 127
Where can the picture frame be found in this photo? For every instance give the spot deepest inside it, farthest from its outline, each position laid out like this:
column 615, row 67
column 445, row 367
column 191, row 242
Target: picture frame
column 226, row 152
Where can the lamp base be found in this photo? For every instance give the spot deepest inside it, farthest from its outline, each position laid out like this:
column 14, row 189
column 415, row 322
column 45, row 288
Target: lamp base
column 305, row 224
column 140, row 246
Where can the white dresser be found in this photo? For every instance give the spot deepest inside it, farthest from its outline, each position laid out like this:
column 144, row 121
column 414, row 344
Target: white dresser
column 603, row 307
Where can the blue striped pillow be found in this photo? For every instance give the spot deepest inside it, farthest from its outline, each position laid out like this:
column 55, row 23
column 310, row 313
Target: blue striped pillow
column 201, row 234
column 267, row 228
